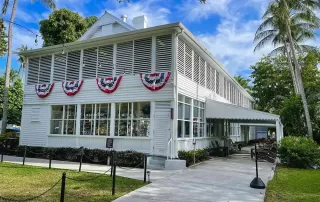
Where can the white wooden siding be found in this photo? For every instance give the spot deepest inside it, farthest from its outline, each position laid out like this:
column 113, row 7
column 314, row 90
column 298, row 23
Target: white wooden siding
column 130, row 89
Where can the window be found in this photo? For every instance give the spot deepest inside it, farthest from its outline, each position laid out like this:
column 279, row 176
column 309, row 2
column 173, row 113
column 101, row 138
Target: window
column 102, row 123
column 210, row 128
column 132, row 119
column 63, row 119
column 87, row 119
column 184, row 116
column 198, row 119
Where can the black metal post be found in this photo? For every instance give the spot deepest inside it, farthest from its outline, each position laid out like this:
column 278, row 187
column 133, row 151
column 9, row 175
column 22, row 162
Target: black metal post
column 114, row 178
column 63, row 187
column 111, row 162
column 81, row 159
column 1, row 158
column 50, row 158
column 145, row 168
column 257, row 183
column 24, row 155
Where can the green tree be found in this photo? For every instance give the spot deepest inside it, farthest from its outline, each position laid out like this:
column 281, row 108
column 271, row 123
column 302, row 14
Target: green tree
column 15, row 97
column 243, row 82
column 22, row 59
column 64, row 26
column 286, row 23
column 3, row 39
column 5, row 5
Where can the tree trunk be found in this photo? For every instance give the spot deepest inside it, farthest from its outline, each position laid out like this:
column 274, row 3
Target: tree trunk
column 294, row 78
column 300, row 84
column 8, row 69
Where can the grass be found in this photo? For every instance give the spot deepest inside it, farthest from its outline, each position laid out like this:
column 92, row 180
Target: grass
column 21, row 182
column 294, row 185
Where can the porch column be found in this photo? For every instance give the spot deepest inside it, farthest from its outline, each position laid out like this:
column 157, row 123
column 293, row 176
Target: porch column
column 278, row 131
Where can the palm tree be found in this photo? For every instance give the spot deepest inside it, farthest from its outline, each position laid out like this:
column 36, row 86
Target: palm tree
column 286, row 24
column 48, row 3
column 22, row 59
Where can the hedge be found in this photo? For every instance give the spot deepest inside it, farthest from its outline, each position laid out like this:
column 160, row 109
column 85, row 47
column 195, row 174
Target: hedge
column 200, row 155
column 94, row 156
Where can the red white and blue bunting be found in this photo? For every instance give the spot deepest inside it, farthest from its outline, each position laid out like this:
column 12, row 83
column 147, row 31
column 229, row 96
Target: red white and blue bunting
column 43, row 90
column 108, row 84
column 155, row 81
column 71, row 87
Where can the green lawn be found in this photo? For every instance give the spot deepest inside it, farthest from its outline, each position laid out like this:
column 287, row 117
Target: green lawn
column 294, row 185
column 20, row 182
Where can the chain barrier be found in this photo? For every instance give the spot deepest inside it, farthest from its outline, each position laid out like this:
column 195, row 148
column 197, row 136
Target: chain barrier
column 38, row 153
column 94, row 160
column 83, row 180
column 32, row 198
column 132, row 167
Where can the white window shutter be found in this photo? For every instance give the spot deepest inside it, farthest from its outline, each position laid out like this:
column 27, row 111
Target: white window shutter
column 188, row 61
column 45, row 69
column 124, row 58
column 33, row 70
column 73, row 66
column 142, row 56
column 59, row 67
column 89, row 63
column 105, row 61
column 164, row 53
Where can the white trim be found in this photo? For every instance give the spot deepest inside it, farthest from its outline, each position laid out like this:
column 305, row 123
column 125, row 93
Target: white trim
column 81, row 64
column 52, row 68
column 153, row 53
column 114, row 61
column 101, row 137
column 78, row 120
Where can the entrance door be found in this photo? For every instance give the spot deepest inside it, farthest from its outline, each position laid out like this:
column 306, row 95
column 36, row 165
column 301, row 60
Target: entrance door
column 162, row 132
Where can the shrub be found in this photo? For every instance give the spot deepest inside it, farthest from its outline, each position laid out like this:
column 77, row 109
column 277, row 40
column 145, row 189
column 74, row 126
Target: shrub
column 299, row 152
column 95, row 156
column 200, row 155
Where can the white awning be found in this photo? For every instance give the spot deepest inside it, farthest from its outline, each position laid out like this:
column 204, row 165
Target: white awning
column 220, row 110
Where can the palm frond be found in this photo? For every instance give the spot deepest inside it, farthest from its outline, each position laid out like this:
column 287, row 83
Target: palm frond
column 263, row 34
column 263, row 42
column 5, row 6
column 278, row 51
column 48, row 3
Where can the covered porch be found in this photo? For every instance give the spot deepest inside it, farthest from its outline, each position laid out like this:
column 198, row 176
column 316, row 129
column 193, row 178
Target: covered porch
column 228, row 122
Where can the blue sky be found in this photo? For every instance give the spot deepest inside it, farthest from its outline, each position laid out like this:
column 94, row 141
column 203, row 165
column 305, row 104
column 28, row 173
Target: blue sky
column 225, row 27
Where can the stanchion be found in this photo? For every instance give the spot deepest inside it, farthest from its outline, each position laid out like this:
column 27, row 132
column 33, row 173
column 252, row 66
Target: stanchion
column 24, row 155
column 257, row 183
column 145, row 169
column 63, row 187
column 112, row 161
column 50, row 158
column 81, row 159
column 1, row 158
column 114, row 178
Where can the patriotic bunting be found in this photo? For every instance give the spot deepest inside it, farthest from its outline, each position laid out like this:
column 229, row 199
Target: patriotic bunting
column 71, row 87
column 43, row 90
column 108, row 84
column 155, row 81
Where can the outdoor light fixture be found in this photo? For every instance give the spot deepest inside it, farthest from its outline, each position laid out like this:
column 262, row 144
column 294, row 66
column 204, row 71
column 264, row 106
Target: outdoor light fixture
column 36, row 41
column 62, row 52
column 148, row 173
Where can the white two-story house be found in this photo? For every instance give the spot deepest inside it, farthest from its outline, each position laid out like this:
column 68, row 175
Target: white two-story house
column 152, row 90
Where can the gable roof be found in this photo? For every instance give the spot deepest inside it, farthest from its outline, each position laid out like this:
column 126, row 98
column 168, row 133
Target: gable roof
column 106, row 18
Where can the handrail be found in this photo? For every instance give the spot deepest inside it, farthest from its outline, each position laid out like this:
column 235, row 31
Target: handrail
column 169, row 142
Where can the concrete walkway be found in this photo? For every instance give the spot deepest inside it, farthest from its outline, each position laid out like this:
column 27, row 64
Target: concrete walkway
column 135, row 173
column 216, row 180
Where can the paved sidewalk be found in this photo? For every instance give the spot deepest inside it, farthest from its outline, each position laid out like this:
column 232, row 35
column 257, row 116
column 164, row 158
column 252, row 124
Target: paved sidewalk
column 216, row 180
column 135, row 173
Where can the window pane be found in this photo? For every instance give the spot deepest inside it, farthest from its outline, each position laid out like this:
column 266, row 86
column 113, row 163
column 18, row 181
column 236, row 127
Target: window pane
column 57, row 112
column 201, row 115
column 180, row 98
column 187, row 100
column 180, row 125
column 195, row 129
column 86, row 127
column 202, row 104
column 140, row 128
column 56, row 127
column 122, row 110
column 201, row 130
column 187, row 111
column 69, row 127
column 141, row 110
column 186, row 129
column 211, row 129
column 122, row 127
column 180, row 112
column 195, row 103
column 195, row 113
column 105, row 111
column 103, row 127
column 70, row 112
column 87, row 111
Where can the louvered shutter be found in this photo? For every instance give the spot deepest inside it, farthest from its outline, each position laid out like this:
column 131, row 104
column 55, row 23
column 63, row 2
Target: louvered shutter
column 188, row 61
column 142, row 56
column 45, row 69
column 181, row 56
column 124, row 58
column 196, row 68
column 211, row 78
column 202, row 71
column 208, row 77
column 73, row 66
column 218, row 91
column 105, row 61
column 163, row 53
column 33, row 70
column 89, row 63
column 59, row 67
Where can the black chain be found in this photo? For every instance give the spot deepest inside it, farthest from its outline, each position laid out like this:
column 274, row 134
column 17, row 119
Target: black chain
column 94, row 160
column 32, row 198
column 132, row 167
column 83, row 180
column 37, row 153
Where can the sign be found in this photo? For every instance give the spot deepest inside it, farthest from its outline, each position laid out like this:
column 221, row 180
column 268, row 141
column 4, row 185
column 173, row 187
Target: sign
column 109, row 143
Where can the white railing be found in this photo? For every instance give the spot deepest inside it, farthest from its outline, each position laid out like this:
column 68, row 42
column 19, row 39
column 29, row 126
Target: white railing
column 169, row 148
